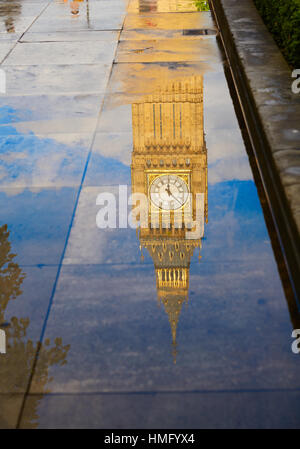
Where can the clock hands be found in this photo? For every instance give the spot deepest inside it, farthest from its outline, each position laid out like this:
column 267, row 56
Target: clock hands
column 176, row 199
column 170, row 194
column 168, row 187
column 171, row 185
column 168, row 191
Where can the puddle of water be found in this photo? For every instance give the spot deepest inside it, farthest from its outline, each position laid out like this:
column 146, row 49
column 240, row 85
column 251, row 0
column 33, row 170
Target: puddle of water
column 176, row 331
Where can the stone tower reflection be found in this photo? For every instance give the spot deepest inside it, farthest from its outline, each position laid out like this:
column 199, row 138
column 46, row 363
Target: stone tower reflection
column 17, row 364
column 169, row 146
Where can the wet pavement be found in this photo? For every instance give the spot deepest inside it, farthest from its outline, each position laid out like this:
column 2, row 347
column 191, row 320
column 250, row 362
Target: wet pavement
column 118, row 327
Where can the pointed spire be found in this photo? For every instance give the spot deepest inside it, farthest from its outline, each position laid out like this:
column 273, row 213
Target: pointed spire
column 142, row 255
column 174, row 343
column 174, row 353
column 173, row 305
column 174, row 331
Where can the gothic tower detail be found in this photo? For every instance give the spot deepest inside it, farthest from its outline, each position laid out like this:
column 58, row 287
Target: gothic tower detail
column 169, row 166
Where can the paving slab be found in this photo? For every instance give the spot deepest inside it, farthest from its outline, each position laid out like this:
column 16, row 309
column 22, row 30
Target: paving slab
column 213, row 410
column 167, row 50
column 57, row 79
column 16, row 28
column 104, row 21
column 131, row 81
column 154, row 34
column 56, row 110
column 5, row 48
column 93, row 8
column 37, row 160
column 48, row 53
column 78, row 36
column 38, row 219
column 15, row 9
column 168, row 21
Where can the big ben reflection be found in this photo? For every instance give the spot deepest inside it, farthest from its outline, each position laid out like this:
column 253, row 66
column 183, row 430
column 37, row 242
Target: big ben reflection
column 169, row 166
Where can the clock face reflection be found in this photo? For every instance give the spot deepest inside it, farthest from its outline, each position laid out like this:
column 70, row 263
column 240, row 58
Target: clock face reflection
column 169, row 192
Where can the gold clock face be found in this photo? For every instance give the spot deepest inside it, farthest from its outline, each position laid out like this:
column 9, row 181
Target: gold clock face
column 169, row 192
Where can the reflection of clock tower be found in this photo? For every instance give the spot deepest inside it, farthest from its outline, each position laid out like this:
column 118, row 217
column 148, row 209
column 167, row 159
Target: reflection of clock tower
column 169, row 159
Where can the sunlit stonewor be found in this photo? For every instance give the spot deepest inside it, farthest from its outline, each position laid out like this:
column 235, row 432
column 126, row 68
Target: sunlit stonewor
column 144, row 6
column 168, row 141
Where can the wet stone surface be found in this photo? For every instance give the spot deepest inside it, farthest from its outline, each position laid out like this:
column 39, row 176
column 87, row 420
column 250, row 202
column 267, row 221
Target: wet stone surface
column 270, row 79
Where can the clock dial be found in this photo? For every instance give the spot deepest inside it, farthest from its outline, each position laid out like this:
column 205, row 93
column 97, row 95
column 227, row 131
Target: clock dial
column 169, row 192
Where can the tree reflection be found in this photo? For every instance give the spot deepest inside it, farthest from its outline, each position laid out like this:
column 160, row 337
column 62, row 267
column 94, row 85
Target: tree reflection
column 10, row 10
column 17, row 364
column 11, row 275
